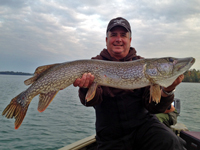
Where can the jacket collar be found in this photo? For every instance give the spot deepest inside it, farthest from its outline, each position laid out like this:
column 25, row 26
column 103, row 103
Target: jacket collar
column 106, row 56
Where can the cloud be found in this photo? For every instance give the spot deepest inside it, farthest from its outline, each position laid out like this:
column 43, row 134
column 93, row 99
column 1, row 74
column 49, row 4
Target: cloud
column 14, row 4
column 41, row 32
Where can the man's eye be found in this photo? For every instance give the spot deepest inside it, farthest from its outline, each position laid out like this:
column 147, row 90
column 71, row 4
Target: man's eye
column 113, row 34
column 123, row 35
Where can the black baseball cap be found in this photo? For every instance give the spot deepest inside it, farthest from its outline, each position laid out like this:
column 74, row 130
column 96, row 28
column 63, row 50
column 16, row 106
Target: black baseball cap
column 119, row 21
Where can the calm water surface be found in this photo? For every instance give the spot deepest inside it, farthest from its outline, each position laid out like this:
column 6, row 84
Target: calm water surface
column 66, row 120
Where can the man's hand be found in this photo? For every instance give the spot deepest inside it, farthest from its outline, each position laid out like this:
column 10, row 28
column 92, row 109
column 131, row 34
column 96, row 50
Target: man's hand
column 174, row 84
column 85, row 81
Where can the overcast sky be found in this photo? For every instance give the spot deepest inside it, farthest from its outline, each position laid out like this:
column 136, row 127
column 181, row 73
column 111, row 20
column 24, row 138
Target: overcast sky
column 39, row 32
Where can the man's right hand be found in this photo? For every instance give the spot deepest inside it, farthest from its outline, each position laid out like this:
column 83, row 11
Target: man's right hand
column 84, row 82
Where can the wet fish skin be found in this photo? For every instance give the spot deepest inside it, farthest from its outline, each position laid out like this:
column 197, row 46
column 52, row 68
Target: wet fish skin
column 49, row 79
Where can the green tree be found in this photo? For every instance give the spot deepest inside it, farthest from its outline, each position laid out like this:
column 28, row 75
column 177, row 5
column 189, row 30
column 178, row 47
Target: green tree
column 192, row 76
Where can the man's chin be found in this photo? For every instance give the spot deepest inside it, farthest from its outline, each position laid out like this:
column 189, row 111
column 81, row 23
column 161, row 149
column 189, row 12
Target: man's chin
column 118, row 52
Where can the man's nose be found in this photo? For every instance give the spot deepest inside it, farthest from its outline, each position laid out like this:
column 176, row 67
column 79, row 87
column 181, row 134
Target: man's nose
column 118, row 38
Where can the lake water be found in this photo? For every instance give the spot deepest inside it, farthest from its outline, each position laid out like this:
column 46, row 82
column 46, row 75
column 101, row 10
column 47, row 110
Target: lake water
column 66, row 120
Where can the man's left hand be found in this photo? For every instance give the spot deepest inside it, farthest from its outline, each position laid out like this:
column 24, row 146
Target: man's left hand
column 174, row 84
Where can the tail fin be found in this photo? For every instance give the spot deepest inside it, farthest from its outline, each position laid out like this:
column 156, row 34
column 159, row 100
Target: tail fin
column 17, row 110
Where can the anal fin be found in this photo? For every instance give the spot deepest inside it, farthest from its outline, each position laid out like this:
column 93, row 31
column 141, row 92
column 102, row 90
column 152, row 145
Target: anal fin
column 91, row 92
column 45, row 99
column 155, row 93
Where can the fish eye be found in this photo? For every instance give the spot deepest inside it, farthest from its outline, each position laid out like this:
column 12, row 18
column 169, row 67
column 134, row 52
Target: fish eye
column 171, row 59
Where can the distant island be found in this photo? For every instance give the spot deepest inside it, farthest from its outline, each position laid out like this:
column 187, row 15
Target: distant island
column 14, row 73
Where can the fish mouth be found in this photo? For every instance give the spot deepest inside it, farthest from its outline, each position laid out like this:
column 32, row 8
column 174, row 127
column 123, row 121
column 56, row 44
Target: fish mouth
column 193, row 61
column 185, row 62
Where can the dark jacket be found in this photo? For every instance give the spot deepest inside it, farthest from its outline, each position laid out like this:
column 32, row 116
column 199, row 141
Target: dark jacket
column 119, row 112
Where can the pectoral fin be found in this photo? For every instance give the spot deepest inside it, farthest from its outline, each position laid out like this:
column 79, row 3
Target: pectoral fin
column 155, row 93
column 91, row 92
column 45, row 100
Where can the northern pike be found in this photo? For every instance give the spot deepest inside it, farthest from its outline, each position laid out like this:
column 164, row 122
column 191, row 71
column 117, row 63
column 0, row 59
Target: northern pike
column 49, row 79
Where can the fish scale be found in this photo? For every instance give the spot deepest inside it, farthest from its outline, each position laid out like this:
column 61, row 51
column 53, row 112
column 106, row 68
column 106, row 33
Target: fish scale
column 49, row 79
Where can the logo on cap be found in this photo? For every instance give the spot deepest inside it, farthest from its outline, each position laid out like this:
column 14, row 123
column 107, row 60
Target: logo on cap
column 119, row 22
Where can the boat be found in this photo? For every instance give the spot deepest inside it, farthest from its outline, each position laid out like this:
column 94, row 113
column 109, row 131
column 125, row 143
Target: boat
column 88, row 143
column 192, row 138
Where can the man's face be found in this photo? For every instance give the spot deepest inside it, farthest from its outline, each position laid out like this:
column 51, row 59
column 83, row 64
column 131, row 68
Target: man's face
column 118, row 42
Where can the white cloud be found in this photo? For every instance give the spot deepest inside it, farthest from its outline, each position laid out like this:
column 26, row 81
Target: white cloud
column 40, row 32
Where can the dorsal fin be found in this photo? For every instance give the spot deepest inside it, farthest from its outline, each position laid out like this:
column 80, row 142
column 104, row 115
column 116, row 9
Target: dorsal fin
column 37, row 73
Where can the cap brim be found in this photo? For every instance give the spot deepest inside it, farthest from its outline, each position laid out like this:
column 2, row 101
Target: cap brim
column 116, row 26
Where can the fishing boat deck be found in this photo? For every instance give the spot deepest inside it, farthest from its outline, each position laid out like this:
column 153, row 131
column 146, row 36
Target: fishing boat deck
column 88, row 143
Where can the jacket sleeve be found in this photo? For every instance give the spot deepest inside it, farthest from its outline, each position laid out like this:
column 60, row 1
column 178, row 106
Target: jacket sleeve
column 153, row 107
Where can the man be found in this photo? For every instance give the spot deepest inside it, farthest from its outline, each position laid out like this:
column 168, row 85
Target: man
column 169, row 117
column 123, row 117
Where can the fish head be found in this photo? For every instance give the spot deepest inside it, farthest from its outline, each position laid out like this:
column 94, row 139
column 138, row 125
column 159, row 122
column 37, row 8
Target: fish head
column 181, row 65
column 164, row 71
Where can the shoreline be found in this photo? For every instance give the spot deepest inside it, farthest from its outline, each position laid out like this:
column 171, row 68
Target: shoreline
column 14, row 73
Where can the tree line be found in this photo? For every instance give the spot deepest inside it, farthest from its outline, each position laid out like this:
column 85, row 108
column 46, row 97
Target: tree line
column 192, row 76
